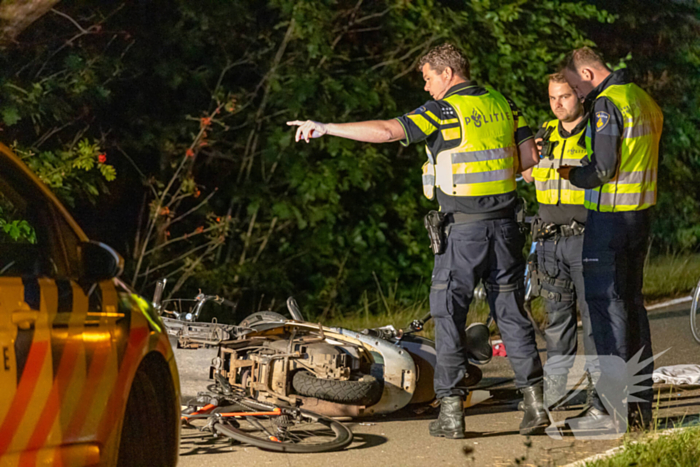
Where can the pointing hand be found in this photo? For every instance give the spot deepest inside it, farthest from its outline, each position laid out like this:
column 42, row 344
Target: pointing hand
column 308, row 129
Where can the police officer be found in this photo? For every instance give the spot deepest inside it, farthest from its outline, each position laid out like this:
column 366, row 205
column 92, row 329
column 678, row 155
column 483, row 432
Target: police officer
column 622, row 141
column 475, row 140
column 558, row 230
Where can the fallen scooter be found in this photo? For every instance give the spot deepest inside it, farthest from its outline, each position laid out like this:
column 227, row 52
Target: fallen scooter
column 328, row 370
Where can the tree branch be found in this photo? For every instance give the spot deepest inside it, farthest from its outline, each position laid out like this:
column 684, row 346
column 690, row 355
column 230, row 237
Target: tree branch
column 17, row 15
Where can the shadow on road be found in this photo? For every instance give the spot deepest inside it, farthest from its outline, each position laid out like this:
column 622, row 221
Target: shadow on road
column 366, row 441
column 477, row 435
column 193, row 442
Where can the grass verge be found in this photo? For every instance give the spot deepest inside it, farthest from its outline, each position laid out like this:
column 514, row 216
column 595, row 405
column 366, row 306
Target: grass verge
column 670, row 276
column 680, row 448
column 665, row 276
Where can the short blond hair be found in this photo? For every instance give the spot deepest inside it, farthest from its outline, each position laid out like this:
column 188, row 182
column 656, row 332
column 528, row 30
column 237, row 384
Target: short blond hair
column 443, row 56
column 585, row 56
column 558, row 78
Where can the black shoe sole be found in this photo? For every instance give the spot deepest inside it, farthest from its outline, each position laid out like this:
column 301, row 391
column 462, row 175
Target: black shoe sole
column 448, row 434
column 534, row 430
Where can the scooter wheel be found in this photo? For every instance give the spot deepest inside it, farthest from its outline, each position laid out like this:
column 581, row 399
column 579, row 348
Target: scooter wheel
column 363, row 391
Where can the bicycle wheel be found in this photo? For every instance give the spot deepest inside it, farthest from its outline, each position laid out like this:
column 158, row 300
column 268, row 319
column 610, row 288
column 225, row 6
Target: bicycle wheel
column 695, row 314
column 287, row 430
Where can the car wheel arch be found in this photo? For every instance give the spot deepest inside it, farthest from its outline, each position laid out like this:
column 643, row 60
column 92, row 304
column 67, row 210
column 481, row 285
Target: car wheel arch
column 152, row 410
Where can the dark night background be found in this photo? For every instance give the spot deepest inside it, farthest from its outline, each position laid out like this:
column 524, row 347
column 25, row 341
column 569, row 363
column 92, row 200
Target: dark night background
column 331, row 221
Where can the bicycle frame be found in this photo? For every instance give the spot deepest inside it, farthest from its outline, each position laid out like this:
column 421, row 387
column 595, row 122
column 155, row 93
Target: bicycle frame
column 209, row 407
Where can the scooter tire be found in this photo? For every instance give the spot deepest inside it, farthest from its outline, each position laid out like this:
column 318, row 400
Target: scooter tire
column 363, row 391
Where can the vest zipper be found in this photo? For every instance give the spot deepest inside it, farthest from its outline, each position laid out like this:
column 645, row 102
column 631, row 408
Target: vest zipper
column 561, row 159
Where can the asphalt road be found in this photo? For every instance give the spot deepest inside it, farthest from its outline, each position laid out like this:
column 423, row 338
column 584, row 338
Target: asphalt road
column 402, row 439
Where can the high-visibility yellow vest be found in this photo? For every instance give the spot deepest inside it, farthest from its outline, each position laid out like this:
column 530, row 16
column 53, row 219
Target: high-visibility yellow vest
column 551, row 188
column 485, row 161
column 634, row 186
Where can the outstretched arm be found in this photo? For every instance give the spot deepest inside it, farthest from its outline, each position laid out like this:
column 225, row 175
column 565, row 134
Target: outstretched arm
column 372, row 131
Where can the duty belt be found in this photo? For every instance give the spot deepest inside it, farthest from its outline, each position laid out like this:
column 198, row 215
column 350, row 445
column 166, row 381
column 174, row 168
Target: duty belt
column 570, row 230
column 547, row 231
column 457, row 218
column 464, row 218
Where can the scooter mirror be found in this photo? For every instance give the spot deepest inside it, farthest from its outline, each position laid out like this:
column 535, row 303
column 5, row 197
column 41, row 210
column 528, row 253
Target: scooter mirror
column 158, row 294
column 294, row 309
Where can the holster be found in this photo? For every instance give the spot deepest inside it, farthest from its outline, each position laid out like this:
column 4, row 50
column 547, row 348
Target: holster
column 434, row 222
column 520, row 215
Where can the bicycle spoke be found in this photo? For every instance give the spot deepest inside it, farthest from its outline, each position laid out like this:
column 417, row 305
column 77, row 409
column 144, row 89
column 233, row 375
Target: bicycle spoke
column 306, row 432
column 255, row 422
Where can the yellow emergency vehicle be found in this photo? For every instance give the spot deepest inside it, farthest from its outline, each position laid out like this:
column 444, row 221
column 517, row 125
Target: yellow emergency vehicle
column 87, row 375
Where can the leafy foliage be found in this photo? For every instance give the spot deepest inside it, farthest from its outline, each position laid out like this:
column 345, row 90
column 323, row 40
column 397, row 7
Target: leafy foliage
column 49, row 94
column 18, row 230
column 79, row 170
column 329, row 220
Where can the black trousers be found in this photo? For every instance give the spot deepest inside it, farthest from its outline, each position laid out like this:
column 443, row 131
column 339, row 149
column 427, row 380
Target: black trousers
column 560, row 259
column 614, row 250
column 490, row 250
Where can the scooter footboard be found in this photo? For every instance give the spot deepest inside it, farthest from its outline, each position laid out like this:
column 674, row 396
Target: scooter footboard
column 393, row 365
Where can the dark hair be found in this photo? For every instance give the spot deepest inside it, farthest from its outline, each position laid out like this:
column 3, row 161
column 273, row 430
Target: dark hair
column 443, row 56
column 585, row 56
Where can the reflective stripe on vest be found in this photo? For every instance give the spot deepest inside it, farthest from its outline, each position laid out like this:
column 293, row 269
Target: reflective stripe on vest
column 484, row 162
column 634, row 186
column 551, row 189
column 429, row 180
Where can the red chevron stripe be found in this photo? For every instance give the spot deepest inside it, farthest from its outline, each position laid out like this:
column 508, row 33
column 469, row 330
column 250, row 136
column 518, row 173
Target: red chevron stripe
column 25, row 390
column 95, row 373
column 54, row 401
column 128, row 366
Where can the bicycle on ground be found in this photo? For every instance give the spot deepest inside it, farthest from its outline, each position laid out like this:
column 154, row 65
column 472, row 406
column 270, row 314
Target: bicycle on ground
column 227, row 411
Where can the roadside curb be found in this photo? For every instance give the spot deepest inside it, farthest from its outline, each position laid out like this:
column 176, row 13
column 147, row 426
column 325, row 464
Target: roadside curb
column 675, row 301
column 596, row 457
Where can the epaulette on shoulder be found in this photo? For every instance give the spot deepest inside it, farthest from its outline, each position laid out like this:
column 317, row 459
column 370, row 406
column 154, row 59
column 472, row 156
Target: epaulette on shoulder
column 447, row 110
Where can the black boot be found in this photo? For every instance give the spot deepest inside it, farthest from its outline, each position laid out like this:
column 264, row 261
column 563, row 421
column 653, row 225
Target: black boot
column 590, row 395
column 535, row 419
column 450, row 422
column 595, row 421
column 554, row 391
